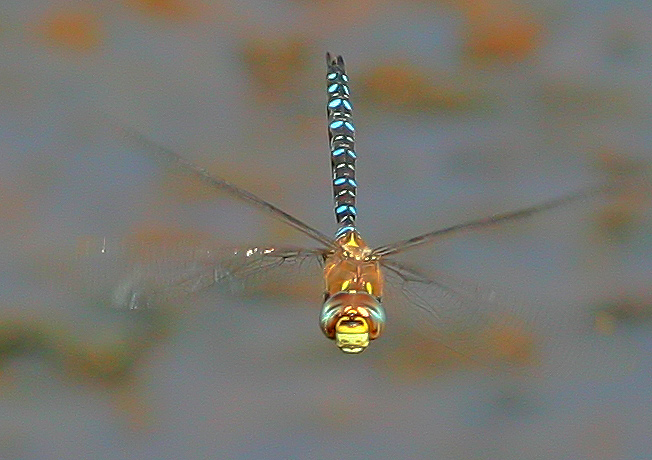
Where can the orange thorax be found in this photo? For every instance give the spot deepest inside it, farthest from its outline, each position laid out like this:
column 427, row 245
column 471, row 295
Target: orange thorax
column 352, row 268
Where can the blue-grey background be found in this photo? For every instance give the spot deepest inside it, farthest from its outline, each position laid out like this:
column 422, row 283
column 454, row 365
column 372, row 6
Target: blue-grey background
column 505, row 104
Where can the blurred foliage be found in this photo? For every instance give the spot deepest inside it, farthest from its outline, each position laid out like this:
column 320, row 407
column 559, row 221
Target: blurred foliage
column 107, row 364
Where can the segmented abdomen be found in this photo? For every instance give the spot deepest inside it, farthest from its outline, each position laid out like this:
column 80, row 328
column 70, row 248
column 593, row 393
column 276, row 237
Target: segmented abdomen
column 341, row 134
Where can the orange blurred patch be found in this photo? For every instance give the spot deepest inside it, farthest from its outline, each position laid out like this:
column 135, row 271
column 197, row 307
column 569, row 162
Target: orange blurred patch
column 506, row 344
column 618, row 219
column 620, row 166
column 510, row 344
column 294, row 286
column 150, row 239
column 169, row 9
column 276, row 65
column 133, row 405
column 75, row 30
column 499, row 30
column 187, row 189
column 513, row 40
column 405, row 87
column 424, row 359
column 109, row 365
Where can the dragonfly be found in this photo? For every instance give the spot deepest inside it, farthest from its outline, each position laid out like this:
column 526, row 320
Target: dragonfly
column 354, row 273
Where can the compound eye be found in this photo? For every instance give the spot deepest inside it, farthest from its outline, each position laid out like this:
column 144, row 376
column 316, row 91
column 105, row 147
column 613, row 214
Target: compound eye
column 352, row 334
column 352, row 319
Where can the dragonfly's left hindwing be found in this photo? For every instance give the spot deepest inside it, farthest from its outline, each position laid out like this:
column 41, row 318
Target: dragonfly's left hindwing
column 497, row 330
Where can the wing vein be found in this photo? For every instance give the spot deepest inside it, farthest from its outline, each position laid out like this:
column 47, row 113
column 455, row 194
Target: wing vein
column 488, row 222
column 202, row 174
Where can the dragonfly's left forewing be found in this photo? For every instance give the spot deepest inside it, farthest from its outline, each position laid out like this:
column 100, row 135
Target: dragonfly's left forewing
column 498, row 331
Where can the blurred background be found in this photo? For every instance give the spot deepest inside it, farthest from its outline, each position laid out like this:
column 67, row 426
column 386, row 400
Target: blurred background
column 463, row 108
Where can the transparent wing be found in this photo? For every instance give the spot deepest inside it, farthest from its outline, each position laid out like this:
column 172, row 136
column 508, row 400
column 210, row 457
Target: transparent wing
column 461, row 322
column 494, row 220
column 86, row 289
column 173, row 159
column 141, row 276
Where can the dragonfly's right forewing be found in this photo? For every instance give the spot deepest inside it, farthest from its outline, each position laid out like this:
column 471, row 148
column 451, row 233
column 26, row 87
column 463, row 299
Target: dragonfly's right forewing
column 145, row 276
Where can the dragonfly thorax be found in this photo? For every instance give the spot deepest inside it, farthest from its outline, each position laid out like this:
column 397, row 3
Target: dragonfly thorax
column 352, row 267
column 352, row 314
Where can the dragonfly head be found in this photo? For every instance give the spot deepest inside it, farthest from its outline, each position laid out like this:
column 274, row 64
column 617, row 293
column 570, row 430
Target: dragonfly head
column 352, row 319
